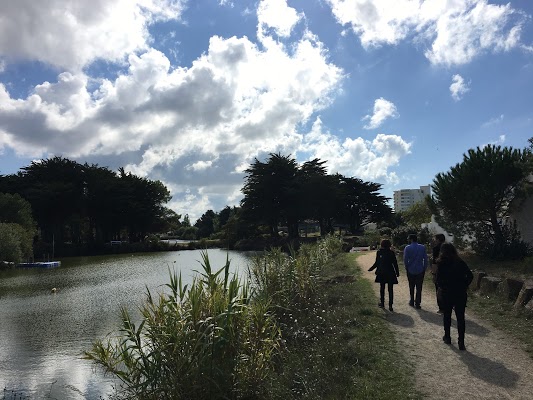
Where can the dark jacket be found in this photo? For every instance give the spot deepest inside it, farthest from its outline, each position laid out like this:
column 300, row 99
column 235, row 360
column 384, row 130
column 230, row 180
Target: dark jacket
column 386, row 266
column 453, row 278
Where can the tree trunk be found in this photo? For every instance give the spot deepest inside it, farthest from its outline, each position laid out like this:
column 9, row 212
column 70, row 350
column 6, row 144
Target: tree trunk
column 498, row 234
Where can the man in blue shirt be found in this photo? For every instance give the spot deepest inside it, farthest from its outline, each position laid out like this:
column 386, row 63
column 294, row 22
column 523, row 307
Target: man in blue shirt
column 415, row 260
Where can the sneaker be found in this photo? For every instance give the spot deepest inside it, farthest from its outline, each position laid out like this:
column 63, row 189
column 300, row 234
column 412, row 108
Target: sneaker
column 391, row 309
column 447, row 339
column 461, row 345
column 418, row 307
column 411, row 303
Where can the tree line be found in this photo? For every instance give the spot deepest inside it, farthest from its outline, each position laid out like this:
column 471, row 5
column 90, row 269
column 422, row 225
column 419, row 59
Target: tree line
column 89, row 205
column 86, row 204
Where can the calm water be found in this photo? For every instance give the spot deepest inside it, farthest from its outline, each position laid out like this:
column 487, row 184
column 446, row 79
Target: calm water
column 42, row 335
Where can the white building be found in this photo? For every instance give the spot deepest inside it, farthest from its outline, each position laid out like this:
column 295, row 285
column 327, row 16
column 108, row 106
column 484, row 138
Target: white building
column 406, row 198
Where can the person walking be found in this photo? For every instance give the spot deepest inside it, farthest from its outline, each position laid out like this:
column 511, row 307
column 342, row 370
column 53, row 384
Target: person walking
column 438, row 240
column 387, row 272
column 453, row 279
column 415, row 259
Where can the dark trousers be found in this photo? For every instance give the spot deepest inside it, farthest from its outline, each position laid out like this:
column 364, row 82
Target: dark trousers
column 459, row 303
column 415, row 281
column 382, row 292
column 437, row 292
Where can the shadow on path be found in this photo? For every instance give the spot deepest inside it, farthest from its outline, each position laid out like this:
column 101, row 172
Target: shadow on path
column 472, row 328
column 400, row 319
column 490, row 371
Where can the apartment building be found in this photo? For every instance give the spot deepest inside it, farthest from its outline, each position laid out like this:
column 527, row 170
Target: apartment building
column 405, row 198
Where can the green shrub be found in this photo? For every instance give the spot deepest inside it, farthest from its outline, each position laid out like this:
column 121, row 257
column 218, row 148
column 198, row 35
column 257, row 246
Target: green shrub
column 203, row 342
column 289, row 281
column 512, row 247
column 16, row 243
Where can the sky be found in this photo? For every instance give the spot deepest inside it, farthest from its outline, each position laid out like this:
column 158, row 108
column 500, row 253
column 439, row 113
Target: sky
column 191, row 92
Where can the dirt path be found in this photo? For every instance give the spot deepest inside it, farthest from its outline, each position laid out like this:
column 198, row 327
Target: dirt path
column 493, row 366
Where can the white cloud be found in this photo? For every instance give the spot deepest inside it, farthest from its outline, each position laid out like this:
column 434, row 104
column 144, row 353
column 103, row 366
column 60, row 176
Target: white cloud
column 497, row 142
column 457, row 30
column 227, row 3
column 195, row 124
column 278, row 16
column 493, row 121
column 459, row 87
column 376, row 22
column 383, row 109
column 200, row 165
column 71, row 35
column 366, row 159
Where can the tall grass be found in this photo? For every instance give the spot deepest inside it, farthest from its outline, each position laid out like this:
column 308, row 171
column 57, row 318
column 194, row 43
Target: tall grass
column 204, row 342
column 289, row 280
column 218, row 338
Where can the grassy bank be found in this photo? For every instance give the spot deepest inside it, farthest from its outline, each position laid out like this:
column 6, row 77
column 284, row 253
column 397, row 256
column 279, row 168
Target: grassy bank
column 302, row 326
column 498, row 310
column 343, row 348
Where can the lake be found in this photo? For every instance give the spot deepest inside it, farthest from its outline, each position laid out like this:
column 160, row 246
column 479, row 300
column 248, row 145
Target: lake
column 43, row 335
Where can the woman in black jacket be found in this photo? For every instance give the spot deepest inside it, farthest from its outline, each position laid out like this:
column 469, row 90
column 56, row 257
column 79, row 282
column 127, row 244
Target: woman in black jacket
column 453, row 277
column 387, row 271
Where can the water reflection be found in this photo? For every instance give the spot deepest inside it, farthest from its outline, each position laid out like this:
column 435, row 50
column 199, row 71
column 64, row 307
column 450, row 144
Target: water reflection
column 42, row 335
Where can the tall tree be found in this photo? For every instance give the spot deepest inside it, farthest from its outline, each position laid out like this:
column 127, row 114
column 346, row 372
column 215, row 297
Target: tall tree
column 318, row 194
column 17, row 228
column 419, row 213
column 360, row 203
column 270, row 193
column 206, row 224
column 475, row 196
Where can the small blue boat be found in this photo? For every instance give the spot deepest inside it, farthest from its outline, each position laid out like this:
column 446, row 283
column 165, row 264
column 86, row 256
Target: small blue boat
column 43, row 264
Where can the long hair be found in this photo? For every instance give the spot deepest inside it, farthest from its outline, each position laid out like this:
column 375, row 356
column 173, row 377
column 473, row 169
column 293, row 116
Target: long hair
column 386, row 244
column 447, row 252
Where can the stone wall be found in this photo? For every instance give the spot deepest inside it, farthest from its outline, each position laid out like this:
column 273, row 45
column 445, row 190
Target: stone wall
column 520, row 292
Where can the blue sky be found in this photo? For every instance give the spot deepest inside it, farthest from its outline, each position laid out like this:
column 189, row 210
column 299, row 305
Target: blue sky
column 190, row 92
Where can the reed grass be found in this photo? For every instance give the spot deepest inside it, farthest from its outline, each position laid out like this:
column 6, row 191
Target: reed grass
column 206, row 341
column 282, row 333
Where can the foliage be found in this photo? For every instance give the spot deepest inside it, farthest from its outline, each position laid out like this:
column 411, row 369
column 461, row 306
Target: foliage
column 187, row 232
column 206, row 224
column 360, row 203
column 400, row 235
column 203, row 342
column 418, row 214
column 15, row 243
column 270, row 194
column 14, row 209
column 476, row 195
column 513, row 248
column 290, row 281
column 16, row 228
column 87, row 204
column 339, row 347
column 335, row 346
column 279, row 191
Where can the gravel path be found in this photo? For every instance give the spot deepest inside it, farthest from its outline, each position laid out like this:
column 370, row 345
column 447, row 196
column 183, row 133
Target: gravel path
column 494, row 366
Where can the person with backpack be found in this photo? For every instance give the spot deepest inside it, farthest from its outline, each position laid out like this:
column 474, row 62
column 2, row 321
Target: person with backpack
column 415, row 259
column 387, row 272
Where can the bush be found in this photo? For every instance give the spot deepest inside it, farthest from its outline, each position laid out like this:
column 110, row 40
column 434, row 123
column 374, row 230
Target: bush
column 209, row 341
column 16, row 243
column 290, row 281
column 512, row 248
column 400, row 235
column 217, row 339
